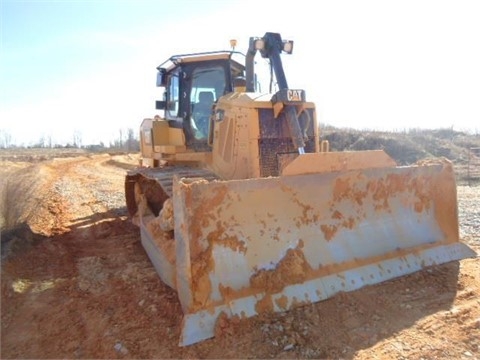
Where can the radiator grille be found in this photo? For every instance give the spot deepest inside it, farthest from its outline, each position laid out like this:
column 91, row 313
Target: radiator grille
column 275, row 142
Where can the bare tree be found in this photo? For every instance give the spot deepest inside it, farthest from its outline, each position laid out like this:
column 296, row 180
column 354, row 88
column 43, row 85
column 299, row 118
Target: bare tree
column 120, row 140
column 77, row 139
column 5, row 139
column 40, row 142
column 127, row 140
column 132, row 141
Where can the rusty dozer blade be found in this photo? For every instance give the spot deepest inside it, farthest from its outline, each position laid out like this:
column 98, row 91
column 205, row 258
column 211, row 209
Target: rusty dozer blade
column 244, row 247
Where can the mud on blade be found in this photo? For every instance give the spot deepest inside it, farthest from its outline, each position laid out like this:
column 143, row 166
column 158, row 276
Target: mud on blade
column 249, row 246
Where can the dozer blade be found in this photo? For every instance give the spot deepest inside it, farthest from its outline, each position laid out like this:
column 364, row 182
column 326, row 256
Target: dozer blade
column 244, row 247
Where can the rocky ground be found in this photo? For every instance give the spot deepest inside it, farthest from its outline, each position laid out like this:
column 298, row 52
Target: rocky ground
column 76, row 283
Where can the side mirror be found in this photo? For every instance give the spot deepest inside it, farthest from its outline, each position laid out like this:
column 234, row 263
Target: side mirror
column 160, row 105
column 161, row 78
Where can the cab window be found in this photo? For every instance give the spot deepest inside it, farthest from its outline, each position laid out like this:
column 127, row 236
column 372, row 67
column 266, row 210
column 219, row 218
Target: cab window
column 172, row 110
column 208, row 84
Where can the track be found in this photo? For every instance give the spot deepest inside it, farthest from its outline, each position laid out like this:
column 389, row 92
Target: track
column 157, row 183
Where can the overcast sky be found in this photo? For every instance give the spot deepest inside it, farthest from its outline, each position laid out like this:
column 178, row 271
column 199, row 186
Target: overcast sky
column 88, row 67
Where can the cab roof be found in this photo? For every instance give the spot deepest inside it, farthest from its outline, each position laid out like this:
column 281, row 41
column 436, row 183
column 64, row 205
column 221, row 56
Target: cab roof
column 176, row 60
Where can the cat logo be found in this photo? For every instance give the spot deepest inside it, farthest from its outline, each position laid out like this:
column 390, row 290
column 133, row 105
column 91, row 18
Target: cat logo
column 294, row 95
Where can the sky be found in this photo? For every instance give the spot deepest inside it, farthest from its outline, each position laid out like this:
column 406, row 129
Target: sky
column 87, row 68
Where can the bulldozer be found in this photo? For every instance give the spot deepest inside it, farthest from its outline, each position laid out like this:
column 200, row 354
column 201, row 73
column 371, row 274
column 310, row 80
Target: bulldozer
column 243, row 209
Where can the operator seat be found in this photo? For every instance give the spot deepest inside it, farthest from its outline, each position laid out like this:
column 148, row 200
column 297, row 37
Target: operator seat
column 202, row 111
column 205, row 102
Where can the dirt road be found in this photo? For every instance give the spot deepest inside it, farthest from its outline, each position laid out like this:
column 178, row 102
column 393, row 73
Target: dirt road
column 76, row 283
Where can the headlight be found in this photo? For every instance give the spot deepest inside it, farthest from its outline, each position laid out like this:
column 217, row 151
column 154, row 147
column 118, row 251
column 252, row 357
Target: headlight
column 288, row 46
column 259, row 44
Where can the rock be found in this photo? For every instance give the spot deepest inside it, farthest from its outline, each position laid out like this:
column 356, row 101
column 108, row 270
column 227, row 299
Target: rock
column 120, row 348
column 288, row 347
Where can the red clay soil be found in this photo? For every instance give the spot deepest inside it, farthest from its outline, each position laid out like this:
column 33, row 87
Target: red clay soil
column 76, row 283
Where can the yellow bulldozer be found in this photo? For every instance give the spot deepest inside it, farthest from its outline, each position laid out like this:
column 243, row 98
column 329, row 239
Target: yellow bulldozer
column 243, row 210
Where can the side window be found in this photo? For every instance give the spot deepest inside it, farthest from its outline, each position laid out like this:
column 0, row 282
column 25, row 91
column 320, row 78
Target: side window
column 173, row 100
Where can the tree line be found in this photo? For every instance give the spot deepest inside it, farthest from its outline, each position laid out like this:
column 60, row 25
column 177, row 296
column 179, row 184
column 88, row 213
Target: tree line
column 126, row 140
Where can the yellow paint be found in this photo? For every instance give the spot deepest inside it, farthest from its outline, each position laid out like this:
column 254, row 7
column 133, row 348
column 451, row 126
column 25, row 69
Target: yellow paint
column 176, row 137
column 322, row 162
column 160, row 132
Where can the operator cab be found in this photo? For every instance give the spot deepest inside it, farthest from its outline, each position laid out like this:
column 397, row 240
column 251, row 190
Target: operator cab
column 193, row 83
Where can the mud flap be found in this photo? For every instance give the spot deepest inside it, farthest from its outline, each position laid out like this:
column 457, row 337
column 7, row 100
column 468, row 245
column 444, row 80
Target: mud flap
column 244, row 247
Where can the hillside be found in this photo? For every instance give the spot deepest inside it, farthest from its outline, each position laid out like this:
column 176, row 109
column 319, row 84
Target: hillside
column 411, row 146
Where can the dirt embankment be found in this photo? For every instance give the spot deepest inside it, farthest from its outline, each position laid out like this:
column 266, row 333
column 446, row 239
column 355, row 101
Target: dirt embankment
column 82, row 286
column 408, row 147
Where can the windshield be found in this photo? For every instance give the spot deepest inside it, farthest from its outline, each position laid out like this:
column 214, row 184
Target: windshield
column 208, row 84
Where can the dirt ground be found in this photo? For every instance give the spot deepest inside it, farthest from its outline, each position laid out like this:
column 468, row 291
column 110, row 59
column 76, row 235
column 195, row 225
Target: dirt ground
column 76, row 283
